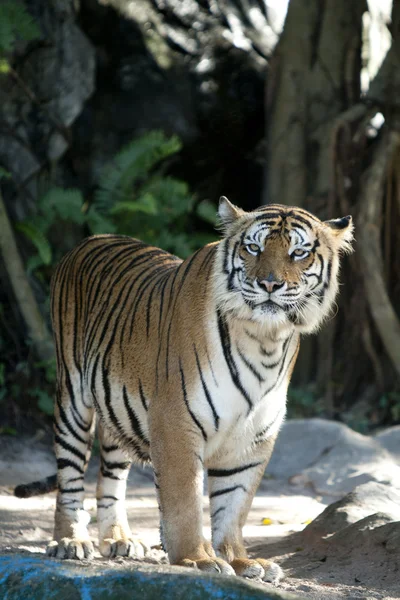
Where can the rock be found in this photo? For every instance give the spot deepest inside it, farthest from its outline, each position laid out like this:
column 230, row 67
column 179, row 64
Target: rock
column 365, row 501
column 330, row 457
column 390, row 439
column 38, row 578
column 301, row 443
column 17, row 459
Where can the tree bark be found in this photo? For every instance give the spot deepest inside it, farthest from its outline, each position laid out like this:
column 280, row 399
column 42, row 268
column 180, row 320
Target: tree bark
column 315, row 77
column 369, row 227
column 27, row 304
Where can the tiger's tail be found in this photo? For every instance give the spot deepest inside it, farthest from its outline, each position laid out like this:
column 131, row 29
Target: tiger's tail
column 36, row 488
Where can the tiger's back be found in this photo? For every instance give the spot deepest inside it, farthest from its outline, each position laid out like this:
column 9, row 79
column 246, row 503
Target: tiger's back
column 113, row 302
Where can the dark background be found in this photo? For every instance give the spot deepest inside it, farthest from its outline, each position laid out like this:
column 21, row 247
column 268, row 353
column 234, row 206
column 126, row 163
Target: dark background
column 90, row 95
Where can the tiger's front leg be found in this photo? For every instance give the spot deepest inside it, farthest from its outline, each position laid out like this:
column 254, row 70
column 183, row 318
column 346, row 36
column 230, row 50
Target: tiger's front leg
column 176, row 452
column 232, row 490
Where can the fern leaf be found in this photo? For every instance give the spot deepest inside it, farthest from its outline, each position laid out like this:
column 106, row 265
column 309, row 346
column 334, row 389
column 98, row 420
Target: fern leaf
column 15, row 23
column 132, row 164
column 66, row 204
column 38, row 239
column 146, row 204
column 33, row 263
column 98, row 223
column 171, row 194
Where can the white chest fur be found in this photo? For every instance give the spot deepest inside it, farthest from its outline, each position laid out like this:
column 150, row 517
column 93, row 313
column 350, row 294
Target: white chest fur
column 247, row 388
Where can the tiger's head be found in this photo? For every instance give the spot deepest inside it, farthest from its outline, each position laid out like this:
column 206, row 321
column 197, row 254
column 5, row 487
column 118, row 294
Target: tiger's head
column 278, row 265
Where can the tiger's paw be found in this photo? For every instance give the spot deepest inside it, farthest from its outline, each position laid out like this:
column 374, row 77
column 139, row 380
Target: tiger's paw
column 260, row 569
column 128, row 547
column 209, row 565
column 70, row 548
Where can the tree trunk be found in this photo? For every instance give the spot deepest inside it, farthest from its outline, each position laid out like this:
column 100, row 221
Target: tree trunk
column 315, row 77
column 34, row 321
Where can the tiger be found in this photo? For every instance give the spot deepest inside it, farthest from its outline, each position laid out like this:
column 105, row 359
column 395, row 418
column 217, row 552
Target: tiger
column 186, row 365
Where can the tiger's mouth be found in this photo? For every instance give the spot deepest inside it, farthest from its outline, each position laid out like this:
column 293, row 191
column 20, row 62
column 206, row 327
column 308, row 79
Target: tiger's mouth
column 269, row 306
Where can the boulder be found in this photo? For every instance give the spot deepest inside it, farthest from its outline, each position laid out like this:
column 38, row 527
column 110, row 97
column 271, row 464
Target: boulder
column 330, row 458
column 38, row 578
column 365, row 501
column 390, row 440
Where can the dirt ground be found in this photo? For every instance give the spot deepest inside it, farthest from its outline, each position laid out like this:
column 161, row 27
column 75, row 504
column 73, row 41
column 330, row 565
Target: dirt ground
column 282, row 508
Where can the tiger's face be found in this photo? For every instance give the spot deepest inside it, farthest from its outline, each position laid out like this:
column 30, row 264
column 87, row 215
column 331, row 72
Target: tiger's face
column 280, row 264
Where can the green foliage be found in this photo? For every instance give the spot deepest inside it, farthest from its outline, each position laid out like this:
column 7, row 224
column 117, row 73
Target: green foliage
column 39, row 240
column 4, row 174
column 15, row 24
column 303, row 403
column 132, row 164
column 45, row 401
column 49, row 368
column 133, row 197
column 390, row 404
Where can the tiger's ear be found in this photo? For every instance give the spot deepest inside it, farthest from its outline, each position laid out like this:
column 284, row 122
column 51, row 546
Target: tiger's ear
column 342, row 230
column 228, row 213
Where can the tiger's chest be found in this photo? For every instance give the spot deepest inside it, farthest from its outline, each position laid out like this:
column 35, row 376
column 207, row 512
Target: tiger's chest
column 245, row 401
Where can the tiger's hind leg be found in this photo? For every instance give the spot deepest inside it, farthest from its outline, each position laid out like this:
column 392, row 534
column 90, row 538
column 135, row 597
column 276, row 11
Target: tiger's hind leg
column 115, row 537
column 232, row 491
column 74, row 426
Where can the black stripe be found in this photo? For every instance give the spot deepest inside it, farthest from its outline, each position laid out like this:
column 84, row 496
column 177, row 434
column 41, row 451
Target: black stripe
column 71, row 490
column 66, row 422
column 259, row 437
column 250, row 366
column 123, row 466
column 144, row 284
column 105, row 269
column 107, row 397
column 68, row 447
column 142, row 396
column 233, row 271
column 134, row 421
column 196, row 421
column 229, row 472
column 216, row 512
column 74, row 409
column 206, row 391
column 225, row 256
column 226, row 348
column 271, row 365
column 63, row 463
column 285, row 349
column 299, row 218
column 101, row 317
column 110, row 448
column 108, row 475
column 188, row 264
column 227, row 490
column 162, row 296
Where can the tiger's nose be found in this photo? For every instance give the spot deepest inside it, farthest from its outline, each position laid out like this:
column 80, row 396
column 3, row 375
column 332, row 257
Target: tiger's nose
column 270, row 284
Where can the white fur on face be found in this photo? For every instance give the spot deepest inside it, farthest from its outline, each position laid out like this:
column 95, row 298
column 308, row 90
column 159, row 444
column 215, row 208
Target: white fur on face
column 304, row 306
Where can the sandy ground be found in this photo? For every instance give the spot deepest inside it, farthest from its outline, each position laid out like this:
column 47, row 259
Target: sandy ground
column 26, row 525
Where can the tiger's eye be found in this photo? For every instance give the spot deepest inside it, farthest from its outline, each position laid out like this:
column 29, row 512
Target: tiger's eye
column 253, row 248
column 299, row 253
